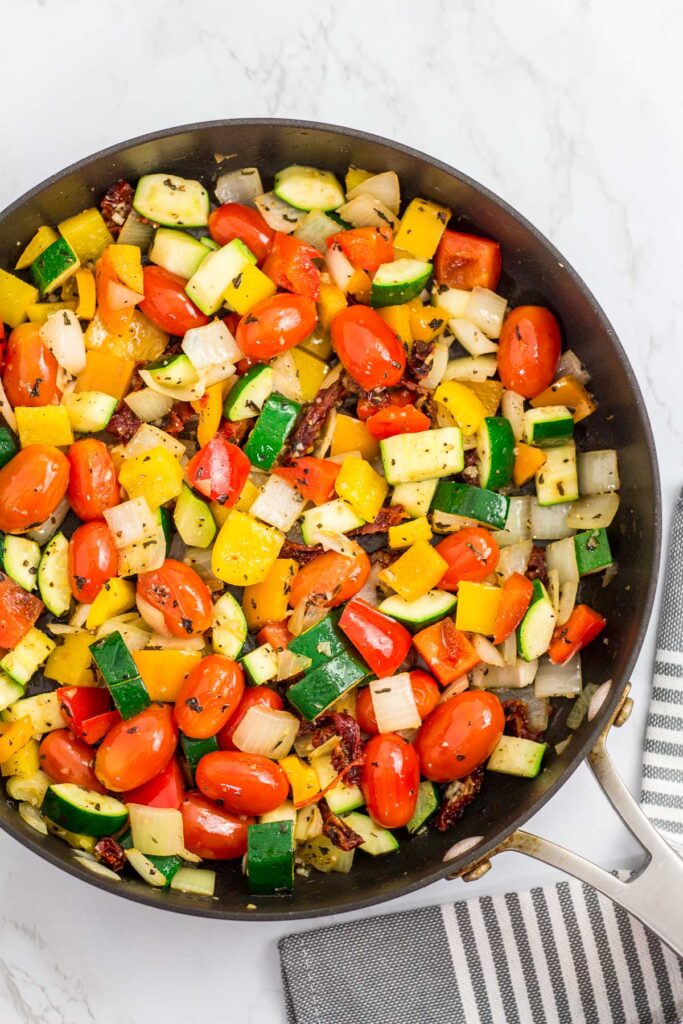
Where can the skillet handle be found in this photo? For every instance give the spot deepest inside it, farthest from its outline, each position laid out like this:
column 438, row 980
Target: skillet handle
column 652, row 894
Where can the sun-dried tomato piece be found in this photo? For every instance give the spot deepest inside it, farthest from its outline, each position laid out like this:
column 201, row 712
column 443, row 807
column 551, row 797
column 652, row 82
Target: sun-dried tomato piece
column 457, row 797
column 338, row 831
column 110, row 853
column 116, row 205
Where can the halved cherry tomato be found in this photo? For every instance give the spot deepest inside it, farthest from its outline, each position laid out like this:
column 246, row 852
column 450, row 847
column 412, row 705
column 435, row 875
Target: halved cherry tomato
column 180, row 596
column 219, row 471
column 293, row 265
column 368, row 348
column 212, row 832
column 166, row 789
column 209, row 696
column 391, row 777
column 381, row 641
column 514, row 601
column 167, row 304
column 93, row 559
column 330, row 579
column 66, row 759
column 465, row 261
column 529, row 350
column 367, row 248
column 583, row 625
column 313, row 478
column 233, row 220
column 425, row 690
column 137, row 749
column 245, row 783
column 367, row 407
column 93, row 486
column 20, row 610
column 29, row 375
column 394, row 419
column 275, row 325
column 252, row 695
column 472, row 554
column 459, row 735
column 32, row 484
column 276, row 634
column 447, row 651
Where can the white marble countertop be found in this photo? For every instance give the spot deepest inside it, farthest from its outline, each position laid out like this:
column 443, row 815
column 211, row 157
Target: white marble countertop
column 569, row 110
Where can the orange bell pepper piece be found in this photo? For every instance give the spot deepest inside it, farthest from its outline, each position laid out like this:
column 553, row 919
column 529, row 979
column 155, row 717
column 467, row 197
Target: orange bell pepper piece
column 570, row 392
column 528, row 461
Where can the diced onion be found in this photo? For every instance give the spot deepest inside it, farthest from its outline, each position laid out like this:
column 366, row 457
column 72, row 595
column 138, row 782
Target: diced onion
column 131, row 522
column 63, row 335
column 516, row 676
column 211, row 344
column 278, row 503
column 488, row 653
column 189, row 394
column 554, row 589
column 578, row 710
column 558, row 680
column 285, row 812
column 517, row 524
column 568, row 592
column 512, row 408
column 562, row 556
column 176, row 643
column 453, row 300
column 266, row 731
column 439, row 365
column 322, row 445
column 367, row 211
column 136, row 231
column 331, row 540
column 79, row 616
column 385, row 187
column 563, row 744
column 471, row 338
column 486, row 310
column 538, row 709
column 550, row 522
column 316, row 228
column 394, row 704
column 598, row 699
column 42, row 534
column 290, row 664
column 514, row 558
column 341, row 270
column 147, row 437
column 199, row 559
column 148, row 405
column 368, row 592
column 458, row 685
column 134, row 636
column 571, row 366
column 121, row 297
column 305, row 615
column 595, row 511
column 32, row 817
column 278, row 214
column 598, row 471
column 63, row 628
column 144, row 555
column 146, row 868
column 240, row 186
column 154, row 617
column 445, row 522
column 194, row 881
column 286, row 377
column 509, row 649
column 462, row 846
column 309, row 823
column 156, row 830
column 472, row 368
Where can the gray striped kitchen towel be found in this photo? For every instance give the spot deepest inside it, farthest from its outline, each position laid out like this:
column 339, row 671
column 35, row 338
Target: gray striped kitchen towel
column 662, row 793
column 562, row 954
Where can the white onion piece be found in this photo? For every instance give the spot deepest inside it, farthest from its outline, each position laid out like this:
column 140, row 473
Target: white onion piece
column 188, row 394
column 148, row 405
column 462, row 846
column 175, row 643
column 488, row 653
column 331, row 540
column 147, row 437
column 199, row 559
column 486, row 310
column 554, row 589
column 340, row 269
column 79, row 616
column 304, row 616
column 512, row 408
column 32, row 817
column 119, row 296
column 514, row 558
column 595, row 511
column 156, row 830
column 598, row 472
column 568, row 592
column 63, row 628
column 439, row 365
column 550, row 522
column 154, row 617
column 394, row 704
column 508, row 649
column 472, row 368
column 517, row 676
column 266, row 731
column 95, row 867
column 6, row 410
column 278, row 214
column 42, row 534
column 131, row 522
column 598, row 699
column 385, row 187
column 322, row 445
column 453, row 300
column 368, row 592
column 517, row 524
column 558, row 680
column 316, row 228
column 290, row 664
column 144, row 555
column 213, row 343
column 367, row 211
column 571, row 366
column 538, row 709
column 135, row 231
column 286, row 377
column 216, row 374
column 278, row 503
column 63, row 335
column 309, row 823
column 240, row 186
column 562, row 556
column 458, row 685
column 135, row 638
column 471, row 338
column 444, row 522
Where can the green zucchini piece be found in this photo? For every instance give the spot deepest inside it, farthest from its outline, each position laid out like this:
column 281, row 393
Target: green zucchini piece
column 8, row 446
column 156, row 871
column 557, row 480
column 271, row 430
column 426, row 455
column 414, row 498
column 325, row 684
column 548, row 426
column 166, row 523
column 308, row 188
column 516, row 756
column 229, row 626
column 172, row 201
column 24, row 660
column 427, row 805
column 321, row 642
column 207, row 285
column 377, row 840
column 261, row 664
column 536, row 628
column 246, row 397
column 398, row 282
column 194, row 750
column 177, row 252
column 193, row 519
column 120, row 673
column 54, row 266
column 422, row 612
column 343, row 797
column 487, row 507
column 496, row 452
column 22, row 558
column 89, row 411
column 174, row 371
column 81, row 810
column 336, row 516
column 10, row 691
column 592, row 551
column 53, row 576
column 270, row 857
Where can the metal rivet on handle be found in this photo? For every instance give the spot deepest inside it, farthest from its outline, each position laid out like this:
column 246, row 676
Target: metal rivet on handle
column 624, row 712
column 476, row 873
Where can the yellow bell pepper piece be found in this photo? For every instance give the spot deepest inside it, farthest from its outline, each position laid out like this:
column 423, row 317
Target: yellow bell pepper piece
column 477, row 607
column 249, row 287
column 363, row 488
column 352, row 435
column 426, row 322
column 24, row 763
column 421, row 228
column 311, row 371
column 302, row 778
column 528, row 461
column 318, row 344
column 14, row 736
column 43, row 424
column 210, row 409
column 416, row 572
column 398, row 318
column 267, row 601
column 38, row 312
column 126, row 262
column 332, row 300
column 70, row 664
column 155, row 475
column 355, row 176
column 85, row 285
column 462, row 404
column 43, row 238
column 141, row 341
column 570, row 392
column 116, row 597
column 244, row 502
column 164, row 672
column 104, row 372
column 15, row 297
column 489, row 393
column 87, row 234
column 405, row 534
column 244, row 550
column 359, row 286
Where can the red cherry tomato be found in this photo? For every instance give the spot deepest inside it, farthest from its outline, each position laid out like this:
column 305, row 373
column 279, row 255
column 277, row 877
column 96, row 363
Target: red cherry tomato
column 465, row 261
column 293, row 265
column 394, row 419
column 232, row 220
column 245, row 783
column 425, row 690
column 391, row 777
column 367, row 248
column 514, row 601
column 167, row 304
column 252, row 695
column 29, row 375
column 32, row 484
column 212, row 832
column 472, row 554
column 331, row 577
column 529, row 350
column 180, row 595
column 459, row 735
column 165, row 790
column 209, row 696
column 66, row 759
column 93, row 486
column 275, row 325
column 93, row 559
column 219, row 471
column 137, row 749
column 368, row 348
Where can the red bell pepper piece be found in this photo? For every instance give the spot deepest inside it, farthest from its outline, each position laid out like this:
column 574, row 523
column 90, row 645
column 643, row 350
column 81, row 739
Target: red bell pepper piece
column 367, row 407
column 166, row 789
column 96, row 728
column 3, row 344
column 79, row 703
column 381, row 641
column 583, row 625
column 447, row 651
column 219, row 471
column 276, row 634
column 367, row 248
column 396, row 419
column 465, row 261
column 514, row 601
column 292, row 265
column 20, row 610
column 313, row 478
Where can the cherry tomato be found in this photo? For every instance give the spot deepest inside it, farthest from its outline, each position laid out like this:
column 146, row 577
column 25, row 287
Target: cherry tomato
column 529, row 350
column 32, row 484
column 166, row 789
column 394, row 419
column 367, row 407
column 137, row 749
column 245, row 783
column 391, row 777
column 459, row 735
column 472, row 554
column 212, row 832
column 465, row 261
column 425, row 690
column 29, row 375
column 179, row 595
column 3, row 344
column 232, row 220
column 330, row 579
column 368, row 348
column 93, row 486
column 67, row 759
column 209, row 696
column 219, row 471
column 275, row 325
column 252, row 695
column 367, row 248
column 514, row 601
column 167, row 304
column 293, row 265
column 93, row 559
